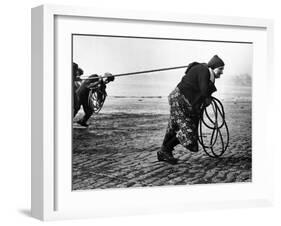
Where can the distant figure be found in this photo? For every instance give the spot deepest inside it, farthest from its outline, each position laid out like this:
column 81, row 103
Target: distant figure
column 82, row 95
column 186, row 101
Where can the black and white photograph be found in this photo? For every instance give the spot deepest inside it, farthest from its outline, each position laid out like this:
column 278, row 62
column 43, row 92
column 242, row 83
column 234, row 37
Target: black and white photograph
column 153, row 111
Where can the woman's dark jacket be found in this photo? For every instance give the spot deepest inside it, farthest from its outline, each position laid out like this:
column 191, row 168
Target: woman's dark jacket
column 196, row 85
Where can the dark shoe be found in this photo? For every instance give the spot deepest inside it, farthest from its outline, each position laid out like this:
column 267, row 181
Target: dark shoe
column 82, row 123
column 166, row 157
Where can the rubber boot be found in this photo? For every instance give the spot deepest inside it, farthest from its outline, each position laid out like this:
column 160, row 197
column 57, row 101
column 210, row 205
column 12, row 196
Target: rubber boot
column 166, row 152
column 82, row 122
column 168, row 137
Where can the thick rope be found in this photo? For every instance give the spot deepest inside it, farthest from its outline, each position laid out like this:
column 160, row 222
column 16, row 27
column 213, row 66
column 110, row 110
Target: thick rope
column 215, row 127
column 137, row 72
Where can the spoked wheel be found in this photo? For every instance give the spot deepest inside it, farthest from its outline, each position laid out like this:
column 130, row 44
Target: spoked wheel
column 96, row 99
column 213, row 134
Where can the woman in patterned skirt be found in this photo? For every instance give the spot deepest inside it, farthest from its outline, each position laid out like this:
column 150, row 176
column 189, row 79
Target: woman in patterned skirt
column 186, row 101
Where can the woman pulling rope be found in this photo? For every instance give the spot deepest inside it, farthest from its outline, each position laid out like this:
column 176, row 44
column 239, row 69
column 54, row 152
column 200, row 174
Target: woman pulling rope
column 82, row 91
column 186, row 101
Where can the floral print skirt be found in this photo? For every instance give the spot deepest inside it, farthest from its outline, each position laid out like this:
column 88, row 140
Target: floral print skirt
column 182, row 122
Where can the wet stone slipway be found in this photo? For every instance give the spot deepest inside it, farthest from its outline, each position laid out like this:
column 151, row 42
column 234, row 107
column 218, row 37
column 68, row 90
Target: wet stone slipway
column 119, row 151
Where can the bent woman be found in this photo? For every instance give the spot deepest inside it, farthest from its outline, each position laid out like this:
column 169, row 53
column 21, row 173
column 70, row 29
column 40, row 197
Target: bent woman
column 186, row 100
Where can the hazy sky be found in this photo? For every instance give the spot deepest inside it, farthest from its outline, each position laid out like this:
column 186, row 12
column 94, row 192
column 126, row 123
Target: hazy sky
column 97, row 55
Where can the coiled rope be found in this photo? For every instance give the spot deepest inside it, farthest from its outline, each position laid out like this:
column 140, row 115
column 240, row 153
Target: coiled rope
column 96, row 99
column 214, row 122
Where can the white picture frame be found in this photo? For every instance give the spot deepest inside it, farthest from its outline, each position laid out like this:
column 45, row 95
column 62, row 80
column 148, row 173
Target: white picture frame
column 52, row 197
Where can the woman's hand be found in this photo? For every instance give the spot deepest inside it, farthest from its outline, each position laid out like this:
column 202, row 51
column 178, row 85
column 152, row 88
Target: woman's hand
column 207, row 101
column 109, row 77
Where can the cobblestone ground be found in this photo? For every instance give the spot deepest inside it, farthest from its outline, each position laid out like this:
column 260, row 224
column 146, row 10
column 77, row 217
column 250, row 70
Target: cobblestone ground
column 119, row 150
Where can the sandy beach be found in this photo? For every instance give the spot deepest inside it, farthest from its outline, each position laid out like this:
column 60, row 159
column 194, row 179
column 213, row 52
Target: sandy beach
column 118, row 149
